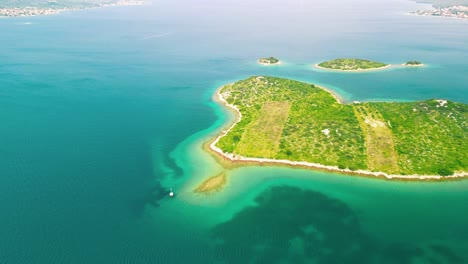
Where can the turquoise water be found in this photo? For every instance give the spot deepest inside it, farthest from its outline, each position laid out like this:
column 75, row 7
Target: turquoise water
column 104, row 110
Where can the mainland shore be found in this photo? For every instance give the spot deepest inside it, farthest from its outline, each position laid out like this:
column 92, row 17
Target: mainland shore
column 28, row 11
column 235, row 160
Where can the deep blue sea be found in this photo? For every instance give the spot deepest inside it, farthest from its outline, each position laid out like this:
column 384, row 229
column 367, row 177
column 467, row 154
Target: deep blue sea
column 103, row 110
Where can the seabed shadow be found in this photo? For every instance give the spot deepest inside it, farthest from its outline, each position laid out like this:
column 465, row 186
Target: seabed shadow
column 292, row 225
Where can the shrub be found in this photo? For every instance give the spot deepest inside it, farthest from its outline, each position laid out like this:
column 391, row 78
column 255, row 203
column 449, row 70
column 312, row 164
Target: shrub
column 445, row 171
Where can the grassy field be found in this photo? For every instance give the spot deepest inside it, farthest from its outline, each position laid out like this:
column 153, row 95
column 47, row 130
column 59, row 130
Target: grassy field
column 351, row 64
column 430, row 136
column 286, row 119
column 262, row 136
column 380, row 146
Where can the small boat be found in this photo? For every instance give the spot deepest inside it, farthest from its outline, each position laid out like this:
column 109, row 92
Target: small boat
column 171, row 193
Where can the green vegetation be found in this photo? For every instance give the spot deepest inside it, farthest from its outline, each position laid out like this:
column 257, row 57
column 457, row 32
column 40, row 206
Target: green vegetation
column 413, row 63
column 263, row 136
column 430, row 136
column 351, row 64
column 270, row 60
column 380, row 147
column 286, row 119
column 311, row 112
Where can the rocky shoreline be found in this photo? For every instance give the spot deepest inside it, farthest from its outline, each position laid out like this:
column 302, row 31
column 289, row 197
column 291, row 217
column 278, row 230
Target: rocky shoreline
column 303, row 164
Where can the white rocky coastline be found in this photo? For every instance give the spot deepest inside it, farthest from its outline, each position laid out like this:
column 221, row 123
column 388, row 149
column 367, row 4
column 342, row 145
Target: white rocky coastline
column 238, row 158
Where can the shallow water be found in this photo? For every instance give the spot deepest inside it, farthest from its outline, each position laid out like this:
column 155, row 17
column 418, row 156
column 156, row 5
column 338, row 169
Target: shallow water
column 104, row 110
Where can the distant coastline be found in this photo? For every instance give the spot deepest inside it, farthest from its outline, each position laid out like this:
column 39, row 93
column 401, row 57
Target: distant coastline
column 28, row 11
column 459, row 11
column 234, row 159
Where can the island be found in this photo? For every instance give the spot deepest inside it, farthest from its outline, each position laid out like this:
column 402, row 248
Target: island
column 15, row 8
column 351, row 64
column 269, row 61
column 413, row 63
column 292, row 123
